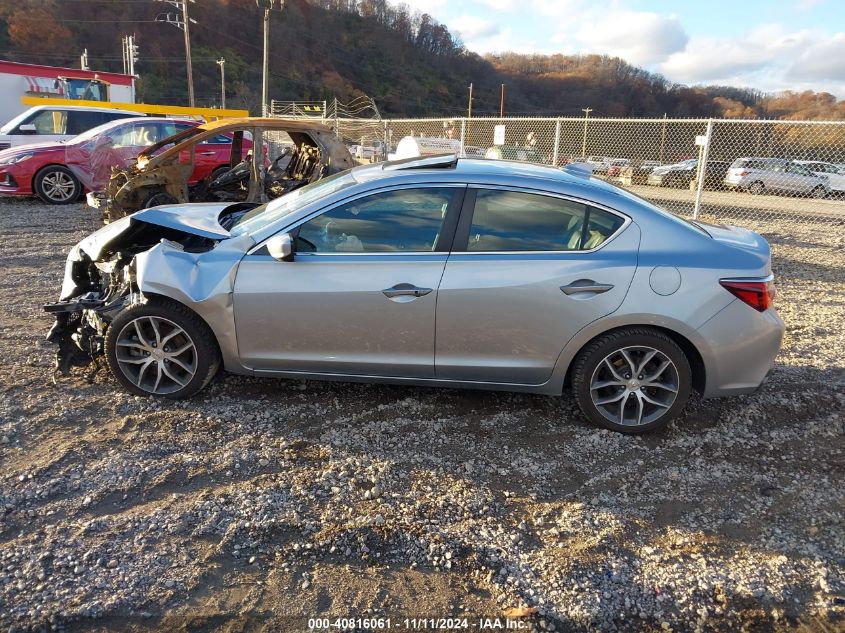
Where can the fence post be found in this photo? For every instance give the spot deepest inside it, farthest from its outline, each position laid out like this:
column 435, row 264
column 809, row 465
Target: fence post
column 557, row 143
column 702, row 169
column 463, row 135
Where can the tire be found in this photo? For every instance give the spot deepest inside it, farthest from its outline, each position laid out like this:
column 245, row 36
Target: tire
column 157, row 198
column 57, row 185
column 756, row 188
column 217, row 172
column 669, row 388
column 143, row 346
column 819, row 192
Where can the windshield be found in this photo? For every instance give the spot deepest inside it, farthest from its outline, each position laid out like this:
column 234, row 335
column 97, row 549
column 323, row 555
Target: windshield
column 660, row 210
column 11, row 125
column 266, row 214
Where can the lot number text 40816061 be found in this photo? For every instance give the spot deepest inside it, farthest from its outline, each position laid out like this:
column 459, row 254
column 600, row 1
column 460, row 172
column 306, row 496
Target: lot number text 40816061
column 417, row 624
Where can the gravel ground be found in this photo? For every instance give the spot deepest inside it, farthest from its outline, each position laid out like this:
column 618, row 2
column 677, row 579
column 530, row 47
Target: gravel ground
column 261, row 502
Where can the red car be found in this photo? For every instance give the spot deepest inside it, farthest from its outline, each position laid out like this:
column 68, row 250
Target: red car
column 59, row 172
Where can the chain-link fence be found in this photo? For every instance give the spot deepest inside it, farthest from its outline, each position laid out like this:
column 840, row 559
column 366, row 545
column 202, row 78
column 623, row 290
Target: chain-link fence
column 717, row 168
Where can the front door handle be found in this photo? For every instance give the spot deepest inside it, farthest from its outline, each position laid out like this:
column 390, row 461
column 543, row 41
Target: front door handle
column 405, row 290
column 585, row 285
column 207, row 153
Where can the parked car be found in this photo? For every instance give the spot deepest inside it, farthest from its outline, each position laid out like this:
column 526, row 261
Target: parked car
column 434, row 271
column 638, row 172
column 59, row 172
column 45, row 123
column 764, row 175
column 680, row 175
column 835, row 173
column 616, row 166
column 161, row 173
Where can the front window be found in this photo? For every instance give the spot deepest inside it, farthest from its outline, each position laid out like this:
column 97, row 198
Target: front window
column 515, row 221
column 401, row 221
column 48, row 121
column 266, row 214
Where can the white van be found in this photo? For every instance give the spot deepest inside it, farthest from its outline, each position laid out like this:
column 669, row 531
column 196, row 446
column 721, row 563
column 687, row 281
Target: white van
column 55, row 123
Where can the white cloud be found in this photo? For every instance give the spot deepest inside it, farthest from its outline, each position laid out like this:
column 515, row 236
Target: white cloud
column 767, row 58
column 472, row 27
column 820, row 61
column 501, row 5
column 640, row 38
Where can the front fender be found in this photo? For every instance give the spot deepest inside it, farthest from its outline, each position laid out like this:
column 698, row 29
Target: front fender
column 201, row 281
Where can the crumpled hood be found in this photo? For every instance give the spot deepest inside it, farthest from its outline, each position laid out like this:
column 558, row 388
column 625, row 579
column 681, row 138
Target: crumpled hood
column 195, row 219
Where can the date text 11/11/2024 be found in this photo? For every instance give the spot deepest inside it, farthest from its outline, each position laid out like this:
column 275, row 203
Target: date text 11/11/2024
column 417, row 624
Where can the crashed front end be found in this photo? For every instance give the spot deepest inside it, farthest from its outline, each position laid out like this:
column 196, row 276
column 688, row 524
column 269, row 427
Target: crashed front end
column 118, row 265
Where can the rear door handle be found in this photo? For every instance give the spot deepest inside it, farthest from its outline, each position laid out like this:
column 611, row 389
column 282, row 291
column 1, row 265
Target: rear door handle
column 585, row 285
column 405, row 290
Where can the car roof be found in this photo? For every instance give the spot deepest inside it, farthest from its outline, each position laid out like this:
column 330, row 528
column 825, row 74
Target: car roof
column 486, row 171
column 265, row 122
column 47, row 106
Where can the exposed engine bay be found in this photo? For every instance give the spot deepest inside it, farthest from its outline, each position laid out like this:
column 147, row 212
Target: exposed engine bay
column 103, row 273
column 163, row 173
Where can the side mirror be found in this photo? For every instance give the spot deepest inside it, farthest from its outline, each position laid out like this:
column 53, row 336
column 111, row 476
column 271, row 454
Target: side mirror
column 281, row 247
column 27, row 128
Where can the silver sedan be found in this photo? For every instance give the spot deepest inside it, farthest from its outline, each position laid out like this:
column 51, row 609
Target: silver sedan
column 434, row 271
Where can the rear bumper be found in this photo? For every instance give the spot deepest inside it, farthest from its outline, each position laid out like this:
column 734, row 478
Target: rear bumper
column 741, row 348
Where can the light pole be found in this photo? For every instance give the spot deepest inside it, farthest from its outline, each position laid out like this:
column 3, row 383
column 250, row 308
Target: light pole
column 469, row 105
column 267, row 5
column 586, row 112
column 222, row 63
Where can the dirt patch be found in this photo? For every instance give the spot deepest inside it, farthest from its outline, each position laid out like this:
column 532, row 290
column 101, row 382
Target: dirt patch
column 261, row 503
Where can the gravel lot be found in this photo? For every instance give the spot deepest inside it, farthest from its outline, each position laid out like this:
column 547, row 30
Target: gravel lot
column 263, row 502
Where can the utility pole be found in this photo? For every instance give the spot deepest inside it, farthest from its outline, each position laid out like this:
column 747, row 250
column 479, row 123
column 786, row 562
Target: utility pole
column 187, row 24
column 267, row 5
column 663, row 138
column 83, row 60
column 182, row 22
column 502, row 103
column 130, row 54
column 222, row 63
column 469, row 106
column 586, row 112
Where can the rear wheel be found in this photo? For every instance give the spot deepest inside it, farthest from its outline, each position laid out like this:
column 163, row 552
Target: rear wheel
column 158, row 198
column 756, row 188
column 161, row 349
column 57, row 185
column 632, row 380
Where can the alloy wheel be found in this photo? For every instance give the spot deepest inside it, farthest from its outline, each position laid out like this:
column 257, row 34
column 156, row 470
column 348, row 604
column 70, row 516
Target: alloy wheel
column 58, row 186
column 634, row 386
column 156, row 355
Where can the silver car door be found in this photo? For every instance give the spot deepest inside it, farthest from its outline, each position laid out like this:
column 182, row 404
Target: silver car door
column 359, row 296
column 528, row 271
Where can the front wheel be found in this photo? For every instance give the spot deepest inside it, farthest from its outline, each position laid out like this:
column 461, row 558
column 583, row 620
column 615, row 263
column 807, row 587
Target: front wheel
column 632, row 380
column 756, row 188
column 57, row 185
column 161, row 348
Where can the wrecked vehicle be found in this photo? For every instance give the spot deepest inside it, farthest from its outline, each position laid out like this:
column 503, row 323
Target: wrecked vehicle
column 437, row 271
column 294, row 154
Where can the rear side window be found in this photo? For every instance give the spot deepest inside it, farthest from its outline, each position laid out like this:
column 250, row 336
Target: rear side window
column 516, row 221
column 79, row 121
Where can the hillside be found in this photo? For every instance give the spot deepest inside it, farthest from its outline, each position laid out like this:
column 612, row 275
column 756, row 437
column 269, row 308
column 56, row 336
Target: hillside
column 321, row 49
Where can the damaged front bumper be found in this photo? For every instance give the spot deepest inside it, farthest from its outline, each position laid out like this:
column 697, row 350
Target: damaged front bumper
column 80, row 327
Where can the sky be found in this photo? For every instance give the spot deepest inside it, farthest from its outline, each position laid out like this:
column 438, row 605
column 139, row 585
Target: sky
column 769, row 45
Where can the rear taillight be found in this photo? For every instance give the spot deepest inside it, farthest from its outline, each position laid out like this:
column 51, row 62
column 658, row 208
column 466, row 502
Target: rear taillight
column 743, row 173
column 758, row 294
